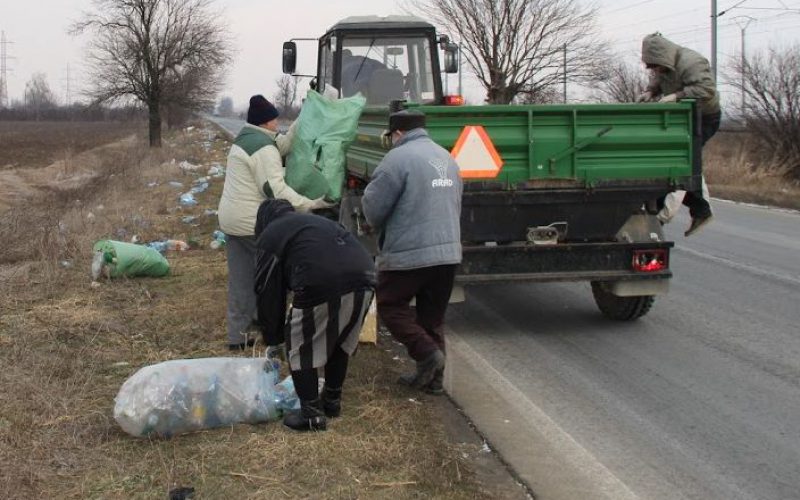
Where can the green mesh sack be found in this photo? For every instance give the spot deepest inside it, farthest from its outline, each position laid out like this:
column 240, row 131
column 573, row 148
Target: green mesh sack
column 316, row 165
column 127, row 259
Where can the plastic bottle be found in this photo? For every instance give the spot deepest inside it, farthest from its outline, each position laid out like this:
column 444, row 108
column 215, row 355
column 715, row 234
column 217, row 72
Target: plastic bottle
column 219, row 240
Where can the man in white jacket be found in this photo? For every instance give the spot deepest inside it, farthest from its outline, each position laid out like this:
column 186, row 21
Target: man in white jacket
column 255, row 173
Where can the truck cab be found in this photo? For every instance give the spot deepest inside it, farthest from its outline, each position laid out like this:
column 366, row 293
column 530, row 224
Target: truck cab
column 392, row 58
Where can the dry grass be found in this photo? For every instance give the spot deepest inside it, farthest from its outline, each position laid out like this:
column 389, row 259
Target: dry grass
column 734, row 172
column 65, row 349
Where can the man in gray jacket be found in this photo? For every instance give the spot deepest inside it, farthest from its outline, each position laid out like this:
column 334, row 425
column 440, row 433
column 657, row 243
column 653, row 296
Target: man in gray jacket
column 678, row 73
column 414, row 201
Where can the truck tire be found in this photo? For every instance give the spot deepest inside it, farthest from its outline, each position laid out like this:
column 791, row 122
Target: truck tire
column 620, row 308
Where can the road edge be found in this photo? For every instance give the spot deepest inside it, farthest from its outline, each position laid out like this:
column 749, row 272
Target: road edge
column 541, row 454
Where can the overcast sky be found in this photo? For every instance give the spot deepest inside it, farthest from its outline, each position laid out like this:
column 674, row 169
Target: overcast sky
column 40, row 42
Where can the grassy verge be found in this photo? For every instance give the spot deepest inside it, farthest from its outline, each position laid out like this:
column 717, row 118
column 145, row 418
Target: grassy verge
column 733, row 173
column 65, row 349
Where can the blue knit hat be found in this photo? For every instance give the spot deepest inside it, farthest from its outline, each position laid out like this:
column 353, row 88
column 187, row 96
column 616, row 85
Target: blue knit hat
column 261, row 111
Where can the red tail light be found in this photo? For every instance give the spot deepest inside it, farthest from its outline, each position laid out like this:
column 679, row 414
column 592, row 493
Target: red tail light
column 649, row 261
column 453, row 100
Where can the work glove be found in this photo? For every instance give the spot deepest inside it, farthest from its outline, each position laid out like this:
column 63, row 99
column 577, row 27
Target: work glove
column 320, row 204
column 645, row 97
column 669, row 98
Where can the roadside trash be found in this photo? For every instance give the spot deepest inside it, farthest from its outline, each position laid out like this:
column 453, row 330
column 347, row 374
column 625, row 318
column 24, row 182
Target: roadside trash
column 185, row 395
column 117, row 258
column 135, row 238
column 168, row 245
column 182, row 493
column 187, row 199
column 176, row 184
column 189, row 219
column 90, row 217
column 65, row 264
column 216, row 171
column 189, row 129
column 199, row 188
column 188, row 167
column 209, row 212
column 219, row 240
column 152, row 184
column 201, row 180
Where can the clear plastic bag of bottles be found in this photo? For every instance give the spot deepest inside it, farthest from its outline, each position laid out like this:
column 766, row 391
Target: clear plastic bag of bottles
column 176, row 397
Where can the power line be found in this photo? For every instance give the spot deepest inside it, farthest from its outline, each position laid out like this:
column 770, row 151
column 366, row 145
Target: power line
column 629, row 6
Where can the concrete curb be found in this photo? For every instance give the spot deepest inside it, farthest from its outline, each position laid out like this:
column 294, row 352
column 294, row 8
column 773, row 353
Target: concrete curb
column 551, row 463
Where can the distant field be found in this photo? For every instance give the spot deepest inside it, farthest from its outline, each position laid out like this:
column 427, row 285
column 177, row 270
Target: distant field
column 31, row 144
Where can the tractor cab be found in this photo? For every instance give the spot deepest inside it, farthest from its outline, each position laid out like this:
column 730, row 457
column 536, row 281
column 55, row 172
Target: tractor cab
column 384, row 58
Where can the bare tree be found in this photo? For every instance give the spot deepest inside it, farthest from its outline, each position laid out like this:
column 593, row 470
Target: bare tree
column 621, row 82
column 225, row 107
column 287, row 94
column 519, row 46
column 542, row 95
column 161, row 53
column 770, row 84
column 38, row 96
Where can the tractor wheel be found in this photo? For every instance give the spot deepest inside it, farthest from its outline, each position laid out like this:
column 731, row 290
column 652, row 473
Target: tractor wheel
column 620, row 308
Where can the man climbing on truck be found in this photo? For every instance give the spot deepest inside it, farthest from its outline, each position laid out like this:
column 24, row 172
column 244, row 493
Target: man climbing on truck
column 677, row 73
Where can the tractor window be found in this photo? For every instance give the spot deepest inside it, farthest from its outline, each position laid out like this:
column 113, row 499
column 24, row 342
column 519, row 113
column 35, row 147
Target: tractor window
column 326, row 64
column 387, row 68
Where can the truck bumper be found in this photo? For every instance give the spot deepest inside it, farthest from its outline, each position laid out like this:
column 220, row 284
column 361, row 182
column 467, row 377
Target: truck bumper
column 607, row 262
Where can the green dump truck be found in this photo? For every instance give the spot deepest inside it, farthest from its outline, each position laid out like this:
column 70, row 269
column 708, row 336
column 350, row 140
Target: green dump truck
column 551, row 192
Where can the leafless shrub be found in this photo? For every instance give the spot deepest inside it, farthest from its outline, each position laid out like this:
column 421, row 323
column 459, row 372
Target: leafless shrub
column 770, row 84
column 519, row 46
column 286, row 95
column 621, row 82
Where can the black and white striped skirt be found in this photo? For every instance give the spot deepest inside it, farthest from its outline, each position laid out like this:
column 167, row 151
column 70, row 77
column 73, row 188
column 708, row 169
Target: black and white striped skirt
column 312, row 334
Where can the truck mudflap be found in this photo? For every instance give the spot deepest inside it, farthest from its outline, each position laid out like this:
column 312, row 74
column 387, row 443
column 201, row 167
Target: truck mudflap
column 598, row 262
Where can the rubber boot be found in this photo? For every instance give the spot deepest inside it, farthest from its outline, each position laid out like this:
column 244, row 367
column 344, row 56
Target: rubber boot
column 332, row 401
column 309, row 418
column 436, row 387
column 426, row 371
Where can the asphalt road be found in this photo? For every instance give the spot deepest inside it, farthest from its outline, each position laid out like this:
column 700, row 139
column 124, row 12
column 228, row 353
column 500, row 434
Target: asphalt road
column 700, row 398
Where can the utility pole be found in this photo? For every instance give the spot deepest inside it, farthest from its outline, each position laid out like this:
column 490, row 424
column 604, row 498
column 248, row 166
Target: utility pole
column 3, row 70
column 714, row 17
column 68, row 81
column 459, row 71
column 565, row 73
column 743, row 22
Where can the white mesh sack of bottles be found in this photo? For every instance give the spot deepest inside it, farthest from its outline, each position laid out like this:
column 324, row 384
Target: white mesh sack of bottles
column 128, row 259
column 316, row 165
column 186, row 395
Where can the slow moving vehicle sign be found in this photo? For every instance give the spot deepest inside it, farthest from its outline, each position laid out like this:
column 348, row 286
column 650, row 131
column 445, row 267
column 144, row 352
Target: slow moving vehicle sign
column 476, row 155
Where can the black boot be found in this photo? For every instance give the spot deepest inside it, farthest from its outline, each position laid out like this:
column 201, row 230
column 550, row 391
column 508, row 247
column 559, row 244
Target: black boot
column 332, row 401
column 309, row 418
column 426, row 371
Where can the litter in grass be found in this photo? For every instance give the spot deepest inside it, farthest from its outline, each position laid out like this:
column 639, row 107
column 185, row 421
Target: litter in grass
column 185, row 395
column 187, row 199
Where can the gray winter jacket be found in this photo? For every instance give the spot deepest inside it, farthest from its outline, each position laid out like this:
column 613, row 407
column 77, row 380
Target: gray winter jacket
column 688, row 73
column 414, row 200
